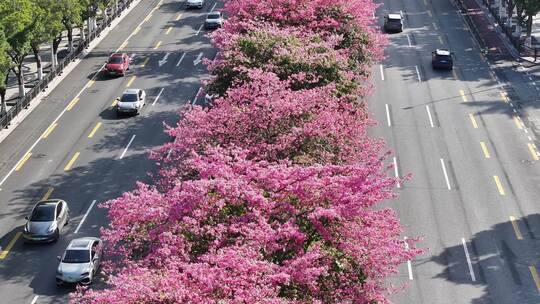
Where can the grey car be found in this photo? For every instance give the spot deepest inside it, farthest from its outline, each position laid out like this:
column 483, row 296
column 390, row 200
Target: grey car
column 46, row 221
column 213, row 20
column 80, row 261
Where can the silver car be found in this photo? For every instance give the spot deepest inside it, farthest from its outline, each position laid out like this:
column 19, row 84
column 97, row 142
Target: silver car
column 213, row 20
column 80, row 262
column 46, row 220
column 131, row 102
column 195, row 3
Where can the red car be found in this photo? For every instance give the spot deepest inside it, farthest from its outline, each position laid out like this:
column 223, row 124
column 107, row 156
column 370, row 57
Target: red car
column 117, row 64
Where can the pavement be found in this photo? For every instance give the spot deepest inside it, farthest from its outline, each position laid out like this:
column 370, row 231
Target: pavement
column 74, row 147
column 467, row 139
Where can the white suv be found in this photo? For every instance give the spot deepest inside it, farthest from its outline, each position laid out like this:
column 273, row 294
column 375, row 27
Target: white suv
column 195, row 3
column 131, row 102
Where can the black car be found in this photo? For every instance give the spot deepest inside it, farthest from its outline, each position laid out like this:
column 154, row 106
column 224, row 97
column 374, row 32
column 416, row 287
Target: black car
column 393, row 23
column 442, row 59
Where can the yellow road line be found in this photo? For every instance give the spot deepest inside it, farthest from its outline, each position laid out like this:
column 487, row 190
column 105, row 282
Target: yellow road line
column 72, row 161
column 150, row 15
column 72, row 103
column 178, row 17
column 47, row 194
column 123, row 45
column 157, row 45
column 518, row 122
column 535, row 277
column 131, row 81
column 114, row 102
column 504, row 96
column 90, row 83
column 499, row 185
column 145, row 62
column 463, row 96
column 484, row 149
column 136, row 31
column 532, row 150
column 519, row 236
column 94, row 130
column 168, row 30
column 22, row 161
column 473, row 120
column 10, row 245
column 49, row 130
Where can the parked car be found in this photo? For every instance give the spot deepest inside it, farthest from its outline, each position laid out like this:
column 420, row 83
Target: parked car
column 393, row 23
column 131, row 102
column 80, row 261
column 195, row 3
column 46, row 221
column 213, row 20
column 442, row 59
column 117, row 64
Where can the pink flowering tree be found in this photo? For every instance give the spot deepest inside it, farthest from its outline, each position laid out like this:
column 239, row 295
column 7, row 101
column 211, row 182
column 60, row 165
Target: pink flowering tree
column 255, row 232
column 272, row 122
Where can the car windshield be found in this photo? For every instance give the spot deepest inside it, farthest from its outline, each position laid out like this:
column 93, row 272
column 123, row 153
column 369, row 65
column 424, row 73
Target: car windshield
column 116, row 60
column 43, row 213
column 213, row 16
column 129, row 98
column 444, row 57
column 76, row 256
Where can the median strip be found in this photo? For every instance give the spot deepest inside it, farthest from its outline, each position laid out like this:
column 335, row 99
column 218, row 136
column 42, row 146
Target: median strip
column 10, row 245
column 72, row 161
column 131, row 81
column 519, row 236
column 535, row 277
column 72, row 103
column 484, row 149
column 463, row 96
column 518, row 122
column 47, row 194
column 532, row 150
column 473, row 121
column 168, row 30
column 157, row 45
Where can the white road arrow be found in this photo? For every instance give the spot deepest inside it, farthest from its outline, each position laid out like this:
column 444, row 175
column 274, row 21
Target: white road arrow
column 164, row 60
column 199, row 59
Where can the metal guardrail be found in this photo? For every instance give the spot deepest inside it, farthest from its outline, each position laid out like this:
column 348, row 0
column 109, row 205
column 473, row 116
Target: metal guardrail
column 23, row 103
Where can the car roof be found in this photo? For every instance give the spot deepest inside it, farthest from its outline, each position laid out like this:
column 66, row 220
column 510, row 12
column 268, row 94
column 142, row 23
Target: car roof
column 117, row 54
column 48, row 203
column 394, row 16
column 81, row 243
column 442, row 52
column 131, row 91
column 215, row 13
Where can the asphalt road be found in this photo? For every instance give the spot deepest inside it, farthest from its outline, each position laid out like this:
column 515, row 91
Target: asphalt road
column 474, row 164
column 74, row 147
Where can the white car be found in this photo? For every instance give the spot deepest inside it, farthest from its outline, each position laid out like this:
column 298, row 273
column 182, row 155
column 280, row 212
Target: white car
column 80, row 262
column 213, row 20
column 195, row 3
column 131, row 102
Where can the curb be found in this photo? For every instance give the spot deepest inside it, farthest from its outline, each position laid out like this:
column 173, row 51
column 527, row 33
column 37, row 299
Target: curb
column 17, row 120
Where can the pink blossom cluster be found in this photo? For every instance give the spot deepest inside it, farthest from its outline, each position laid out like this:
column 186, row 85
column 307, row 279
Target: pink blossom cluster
column 271, row 193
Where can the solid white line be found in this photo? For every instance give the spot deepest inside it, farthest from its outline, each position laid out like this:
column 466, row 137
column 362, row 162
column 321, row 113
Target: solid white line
column 85, row 215
column 196, row 96
column 157, row 97
column 418, row 73
column 409, row 265
column 445, row 175
column 181, row 58
column 382, row 71
column 388, row 115
column 169, row 153
column 396, row 172
column 199, row 30
column 429, row 115
column 127, row 147
column 471, row 270
column 65, row 109
column 213, row 7
column 409, row 40
column 34, row 300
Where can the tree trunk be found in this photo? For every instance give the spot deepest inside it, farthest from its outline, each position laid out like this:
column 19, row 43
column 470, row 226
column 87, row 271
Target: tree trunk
column 55, row 44
column 83, row 36
column 3, row 107
column 37, row 56
column 529, row 25
column 20, row 78
column 70, row 39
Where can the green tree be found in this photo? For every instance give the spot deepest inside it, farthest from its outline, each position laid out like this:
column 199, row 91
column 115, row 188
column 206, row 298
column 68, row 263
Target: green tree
column 5, row 66
column 71, row 17
column 17, row 20
column 48, row 25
